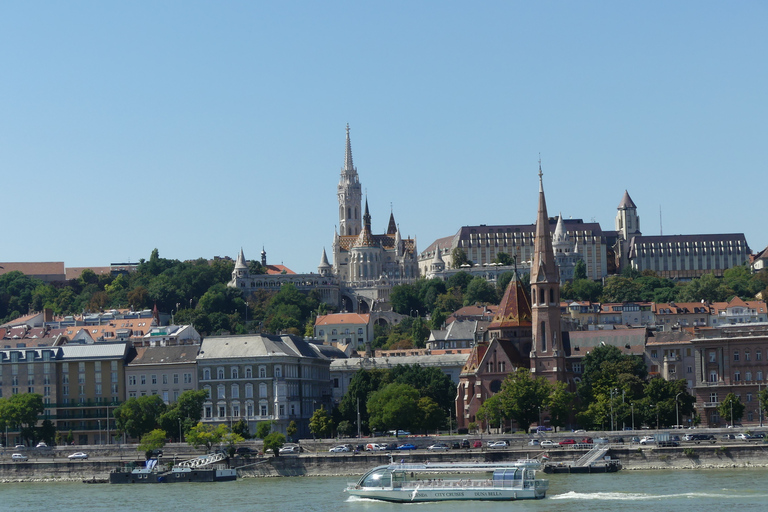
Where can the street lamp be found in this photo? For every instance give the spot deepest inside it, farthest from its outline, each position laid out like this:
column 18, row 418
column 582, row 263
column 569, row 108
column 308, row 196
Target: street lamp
column 677, row 411
column 179, row 430
column 632, row 406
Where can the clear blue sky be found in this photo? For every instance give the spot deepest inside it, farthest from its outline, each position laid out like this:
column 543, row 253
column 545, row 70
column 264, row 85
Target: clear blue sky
column 201, row 127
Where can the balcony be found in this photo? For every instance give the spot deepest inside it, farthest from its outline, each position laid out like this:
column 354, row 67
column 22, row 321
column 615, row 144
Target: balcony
column 709, row 405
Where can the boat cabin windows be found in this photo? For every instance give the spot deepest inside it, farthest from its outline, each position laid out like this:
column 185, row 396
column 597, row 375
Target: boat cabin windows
column 378, row 478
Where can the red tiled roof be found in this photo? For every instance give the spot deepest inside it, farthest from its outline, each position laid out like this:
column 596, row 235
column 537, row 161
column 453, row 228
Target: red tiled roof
column 342, row 318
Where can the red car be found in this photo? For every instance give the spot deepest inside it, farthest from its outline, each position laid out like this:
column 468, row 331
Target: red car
column 567, row 441
column 587, row 440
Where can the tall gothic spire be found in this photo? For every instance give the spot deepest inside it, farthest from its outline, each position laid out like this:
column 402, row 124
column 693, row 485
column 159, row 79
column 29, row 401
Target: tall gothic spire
column 367, row 216
column 349, row 168
column 544, row 268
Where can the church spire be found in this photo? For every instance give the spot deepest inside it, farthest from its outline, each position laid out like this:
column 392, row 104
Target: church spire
column 367, row 216
column 349, row 168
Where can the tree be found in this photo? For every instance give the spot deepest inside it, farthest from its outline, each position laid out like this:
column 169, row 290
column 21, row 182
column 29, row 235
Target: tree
column 432, row 416
column 459, row 258
column 291, row 430
column 263, row 428
column 620, row 289
column 503, row 258
column 362, row 385
column 522, row 396
column 230, row 439
column 152, row 441
column 394, row 407
column 405, row 300
column 274, row 442
column 22, row 411
column 241, row 428
column 184, row 413
column 139, row 415
column 479, row 290
column 320, row 424
column 731, row 404
column 428, row 381
column 206, row 435
column 763, row 398
column 344, row 428
column 491, row 412
column 560, row 404
column 580, row 270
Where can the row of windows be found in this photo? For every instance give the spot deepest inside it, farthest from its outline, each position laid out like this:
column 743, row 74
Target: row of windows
column 234, row 372
column 234, row 391
column 142, row 379
column 334, row 332
column 737, row 355
column 713, row 376
column 165, row 395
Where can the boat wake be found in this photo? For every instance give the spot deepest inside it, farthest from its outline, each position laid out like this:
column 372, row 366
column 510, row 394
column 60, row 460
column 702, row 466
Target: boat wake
column 630, row 496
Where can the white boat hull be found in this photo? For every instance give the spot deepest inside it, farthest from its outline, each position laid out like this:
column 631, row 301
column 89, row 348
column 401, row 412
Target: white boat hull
column 448, row 494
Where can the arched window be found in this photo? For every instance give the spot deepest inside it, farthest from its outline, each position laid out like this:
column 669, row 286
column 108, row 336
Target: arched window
column 234, row 372
column 278, row 372
column 551, row 295
column 221, row 391
column 207, row 374
column 248, row 372
column 263, row 390
column 235, row 391
column 220, row 373
column 249, row 391
column 262, row 372
column 543, row 336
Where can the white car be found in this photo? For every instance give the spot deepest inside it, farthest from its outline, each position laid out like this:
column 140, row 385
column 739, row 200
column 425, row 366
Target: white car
column 648, row 440
column 547, row 442
column 498, row 444
column 19, row 457
column 534, row 442
column 78, row 455
column 339, row 449
column 41, row 444
column 291, row 448
column 438, row 447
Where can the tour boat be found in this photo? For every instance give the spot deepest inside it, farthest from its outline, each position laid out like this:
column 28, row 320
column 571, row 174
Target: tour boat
column 208, row 468
column 404, row 483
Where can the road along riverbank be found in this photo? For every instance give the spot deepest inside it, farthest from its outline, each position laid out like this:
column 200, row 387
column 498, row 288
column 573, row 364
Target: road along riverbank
column 347, row 464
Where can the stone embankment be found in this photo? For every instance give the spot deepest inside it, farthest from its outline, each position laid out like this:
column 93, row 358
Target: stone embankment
column 346, row 464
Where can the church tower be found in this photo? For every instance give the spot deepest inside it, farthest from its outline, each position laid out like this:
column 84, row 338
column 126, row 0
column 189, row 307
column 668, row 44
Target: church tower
column 350, row 196
column 547, row 354
column 627, row 227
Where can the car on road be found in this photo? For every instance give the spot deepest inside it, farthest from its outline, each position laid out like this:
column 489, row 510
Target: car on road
column 291, row 448
column 78, row 455
column 339, row 449
column 743, row 437
column 726, row 437
column 406, row 446
column 438, row 447
column 244, row 450
column 602, row 440
column 399, row 433
column 498, row 444
column 547, row 442
column 19, row 457
column 477, row 444
column 375, row 447
column 20, row 447
column 565, row 442
column 534, row 442
column 697, row 438
column 465, row 443
column 41, row 444
column 587, row 440
column 456, row 445
column 648, row 440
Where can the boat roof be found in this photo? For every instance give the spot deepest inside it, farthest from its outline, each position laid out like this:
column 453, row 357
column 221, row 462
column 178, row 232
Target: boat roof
column 464, row 467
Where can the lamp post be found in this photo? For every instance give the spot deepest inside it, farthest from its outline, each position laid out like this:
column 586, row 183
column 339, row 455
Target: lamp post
column 180, row 440
column 677, row 411
column 99, row 432
column 759, row 406
column 632, row 406
column 731, row 412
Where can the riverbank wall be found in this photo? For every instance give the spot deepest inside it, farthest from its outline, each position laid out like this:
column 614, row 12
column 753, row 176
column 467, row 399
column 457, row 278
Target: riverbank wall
column 344, row 464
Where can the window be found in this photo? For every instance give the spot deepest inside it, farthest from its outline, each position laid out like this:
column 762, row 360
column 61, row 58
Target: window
column 759, row 376
column 248, row 372
column 221, row 391
column 249, row 391
column 281, row 409
column 208, row 411
column 165, row 379
column 263, row 408
column 234, row 372
column 222, row 411
column 165, row 397
column 758, row 355
column 114, row 377
column 143, row 380
column 737, row 376
column 748, row 376
column 712, row 376
column 235, row 411
column 577, row 368
column 689, row 369
column 747, row 355
column 262, row 372
column 278, row 372
column 207, row 374
column 749, row 398
column 98, row 389
column 220, row 373
column 712, row 356
column 713, row 397
column 175, row 378
column 249, row 410
column 262, row 390
column 235, row 391
column 187, row 378
column 654, row 354
column 131, row 380
column 735, row 355
column 336, row 382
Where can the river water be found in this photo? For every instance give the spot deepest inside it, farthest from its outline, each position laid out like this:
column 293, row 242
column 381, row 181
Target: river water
column 626, row 491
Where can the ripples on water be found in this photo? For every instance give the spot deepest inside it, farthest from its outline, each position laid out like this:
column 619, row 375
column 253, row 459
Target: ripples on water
column 627, row 491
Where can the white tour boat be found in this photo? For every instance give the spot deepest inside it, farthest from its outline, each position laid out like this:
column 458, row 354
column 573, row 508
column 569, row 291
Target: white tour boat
column 404, row 483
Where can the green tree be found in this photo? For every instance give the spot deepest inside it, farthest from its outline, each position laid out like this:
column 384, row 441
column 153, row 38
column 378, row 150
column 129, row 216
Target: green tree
column 362, row 385
column 479, row 290
column 559, row 404
column 241, row 428
column 405, row 300
column 580, row 270
column 184, row 413
column 291, row 430
column 139, row 415
column 763, row 398
column 428, row 381
column 320, row 424
column 230, row 439
column 459, row 258
column 432, row 417
column 263, row 428
column 503, row 258
column 344, row 428
column 522, row 396
column 731, row 409
column 491, row 412
column 274, row 442
column 621, row 289
column 153, row 440
column 206, row 435
column 393, row 407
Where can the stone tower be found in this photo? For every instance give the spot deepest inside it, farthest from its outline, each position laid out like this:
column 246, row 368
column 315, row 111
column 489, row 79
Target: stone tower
column 627, row 227
column 547, row 354
column 350, row 196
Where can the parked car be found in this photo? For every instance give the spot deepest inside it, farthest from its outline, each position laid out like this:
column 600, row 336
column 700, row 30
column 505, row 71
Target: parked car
column 406, row 446
column 565, row 442
column 78, row 455
column 456, row 445
column 634, row 439
column 547, row 442
column 244, row 450
column 726, row 437
column 697, row 438
column 498, row 444
column 465, row 443
column 477, row 444
column 587, row 440
column 648, row 440
column 375, row 447
column 399, row 433
column 338, row 449
column 291, row 448
column 20, row 447
column 743, row 437
column 534, row 442
column 41, row 444
column 758, row 435
column 602, row 440
column 19, row 457
column 438, row 447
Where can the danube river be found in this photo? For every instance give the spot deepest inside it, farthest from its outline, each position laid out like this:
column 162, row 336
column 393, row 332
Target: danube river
column 626, row 491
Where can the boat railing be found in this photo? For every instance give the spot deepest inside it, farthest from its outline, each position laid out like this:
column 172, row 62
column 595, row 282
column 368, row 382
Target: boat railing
column 439, row 483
